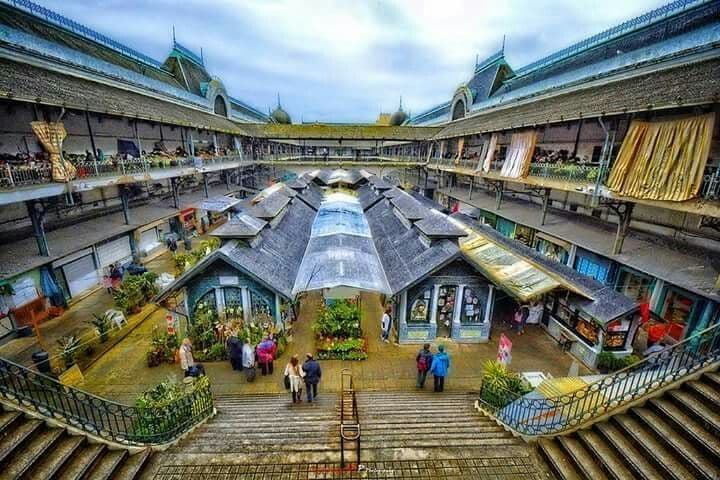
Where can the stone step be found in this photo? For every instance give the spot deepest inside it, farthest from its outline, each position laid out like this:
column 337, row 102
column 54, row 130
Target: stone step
column 447, row 438
column 8, row 420
column 692, row 429
column 106, row 466
column 705, row 391
column 258, row 448
column 16, row 435
column 694, row 459
column 612, row 464
column 49, row 465
column 652, row 448
column 82, row 461
column 432, row 428
column 133, row 465
column 625, row 449
column 368, row 443
column 24, row 458
column 696, row 407
column 250, row 429
column 558, row 460
column 584, row 460
column 712, row 378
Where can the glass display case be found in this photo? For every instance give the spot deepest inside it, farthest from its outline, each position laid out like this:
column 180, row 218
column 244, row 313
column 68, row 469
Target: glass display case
column 617, row 333
column 420, row 307
column 472, row 310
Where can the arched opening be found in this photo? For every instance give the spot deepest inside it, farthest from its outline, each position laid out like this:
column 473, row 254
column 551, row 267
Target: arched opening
column 458, row 110
column 220, row 106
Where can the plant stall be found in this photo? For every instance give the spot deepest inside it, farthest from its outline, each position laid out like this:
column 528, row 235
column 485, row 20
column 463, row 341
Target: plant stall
column 338, row 333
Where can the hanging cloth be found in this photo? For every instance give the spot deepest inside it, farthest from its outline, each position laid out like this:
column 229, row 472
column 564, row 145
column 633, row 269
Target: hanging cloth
column 461, row 146
column 517, row 161
column 663, row 160
column 490, row 155
column 442, row 152
column 50, row 288
column 51, row 136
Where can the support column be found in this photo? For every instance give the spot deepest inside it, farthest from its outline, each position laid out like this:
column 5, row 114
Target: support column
column 490, row 304
column 545, row 205
column 656, row 296
column 227, row 179
column 92, row 141
column 499, row 188
column 624, row 213
column 472, row 183
column 36, row 211
column 174, row 190
column 205, row 185
column 124, row 198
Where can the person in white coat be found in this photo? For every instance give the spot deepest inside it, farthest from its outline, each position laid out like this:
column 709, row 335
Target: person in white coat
column 294, row 372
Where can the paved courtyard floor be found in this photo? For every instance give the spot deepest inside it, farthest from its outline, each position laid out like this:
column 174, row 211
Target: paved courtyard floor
column 122, row 372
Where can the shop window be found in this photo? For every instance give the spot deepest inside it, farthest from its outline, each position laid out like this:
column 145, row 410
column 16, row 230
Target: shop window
column 446, row 306
column 488, row 218
column 473, row 310
column 524, row 234
column 506, row 227
column 635, row 285
column 260, row 304
column 233, row 303
column 592, row 269
column 206, row 302
column 587, row 330
column 677, row 311
column 617, row 332
column 550, row 250
column 420, row 307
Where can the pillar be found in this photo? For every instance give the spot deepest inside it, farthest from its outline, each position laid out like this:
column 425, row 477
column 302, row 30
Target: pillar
column 545, row 205
column 490, row 303
column 92, row 141
column 624, row 215
column 227, row 179
column 125, row 199
column 499, row 187
column 205, row 185
column 36, row 211
column 174, row 190
column 472, row 183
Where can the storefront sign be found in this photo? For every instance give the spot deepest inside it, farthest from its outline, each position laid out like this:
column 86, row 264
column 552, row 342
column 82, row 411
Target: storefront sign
column 171, row 321
column 72, row 377
column 229, row 280
column 504, row 355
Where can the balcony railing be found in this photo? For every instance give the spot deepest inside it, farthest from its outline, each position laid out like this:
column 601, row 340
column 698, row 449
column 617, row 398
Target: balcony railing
column 710, row 189
column 551, row 416
column 15, row 176
column 565, row 172
column 100, row 417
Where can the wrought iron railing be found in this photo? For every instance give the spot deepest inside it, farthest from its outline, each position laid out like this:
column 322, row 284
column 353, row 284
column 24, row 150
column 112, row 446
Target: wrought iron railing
column 101, row 417
column 530, row 416
column 565, row 172
column 349, row 417
column 710, row 189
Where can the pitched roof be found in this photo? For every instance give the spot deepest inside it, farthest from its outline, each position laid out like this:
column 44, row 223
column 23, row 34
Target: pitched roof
column 409, row 207
column 368, row 197
column 438, row 225
column 217, row 204
column 240, row 226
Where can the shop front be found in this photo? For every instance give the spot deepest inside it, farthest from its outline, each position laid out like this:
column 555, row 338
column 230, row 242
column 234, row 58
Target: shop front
column 581, row 328
column 552, row 247
column 77, row 273
column 187, row 221
column 594, row 266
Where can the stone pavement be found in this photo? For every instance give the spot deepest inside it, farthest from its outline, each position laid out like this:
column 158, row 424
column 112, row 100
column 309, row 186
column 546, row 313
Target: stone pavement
column 122, row 373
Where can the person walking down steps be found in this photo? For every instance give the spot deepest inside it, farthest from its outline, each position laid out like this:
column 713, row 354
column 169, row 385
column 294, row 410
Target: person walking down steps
column 294, row 374
column 312, row 376
column 423, row 360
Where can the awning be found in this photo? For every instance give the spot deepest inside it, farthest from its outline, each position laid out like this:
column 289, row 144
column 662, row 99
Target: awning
column 219, row 204
column 504, row 268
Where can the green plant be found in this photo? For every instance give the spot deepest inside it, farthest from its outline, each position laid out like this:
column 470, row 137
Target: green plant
column 103, row 325
column 342, row 319
column 135, row 290
column 6, row 289
column 216, row 352
column 608, row 361
column 163, row 348
column 500, row 385
column 68, row 349
column 202, row 330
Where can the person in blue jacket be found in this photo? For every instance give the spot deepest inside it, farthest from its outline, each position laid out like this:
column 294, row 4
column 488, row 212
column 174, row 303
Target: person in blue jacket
column 312, row 376
column 439, row 368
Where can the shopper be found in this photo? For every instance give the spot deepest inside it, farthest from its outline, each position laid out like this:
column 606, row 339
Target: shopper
column 386, row 324
column 266, row 355
column 439, row 368
column 520, row 318
column 235, row 352
column 248, row 361
column 423, row 360
column 187, row 362
column 312, row 376
column 294, row 373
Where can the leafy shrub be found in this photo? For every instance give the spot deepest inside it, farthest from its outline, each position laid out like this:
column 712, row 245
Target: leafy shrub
column 163, row 348
column 68, row 349
column 347, row 349
column 341, row 319
column 500, row 385
column 216, row 352
column 135, row 291
column 103, row 324
column 608, row 361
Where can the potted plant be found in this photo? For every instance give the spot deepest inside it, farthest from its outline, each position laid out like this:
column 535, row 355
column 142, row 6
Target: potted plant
column 68, row 349
column 103, row 325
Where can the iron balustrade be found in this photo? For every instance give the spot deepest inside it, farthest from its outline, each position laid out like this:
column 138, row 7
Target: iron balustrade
column 710, row 189
column 14, row 176
column 552, row 416
column 565, row 172
column 349, row 420
column 104, row 418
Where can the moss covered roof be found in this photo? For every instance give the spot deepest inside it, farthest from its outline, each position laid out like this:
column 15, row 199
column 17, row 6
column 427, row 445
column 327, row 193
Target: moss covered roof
column 320, row 131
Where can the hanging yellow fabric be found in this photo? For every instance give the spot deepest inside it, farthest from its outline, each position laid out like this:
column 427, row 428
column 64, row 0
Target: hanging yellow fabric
column 663, row 160
column 51, row 136
column 461, row 146
column 519, row 155
column 490, row 155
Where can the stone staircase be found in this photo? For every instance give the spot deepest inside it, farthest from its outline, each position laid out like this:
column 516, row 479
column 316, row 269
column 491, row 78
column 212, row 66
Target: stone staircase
column 30, row 449
column 414, row 434
column 673, row 436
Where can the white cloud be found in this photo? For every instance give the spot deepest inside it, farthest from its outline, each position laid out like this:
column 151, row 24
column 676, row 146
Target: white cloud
column 346, row 60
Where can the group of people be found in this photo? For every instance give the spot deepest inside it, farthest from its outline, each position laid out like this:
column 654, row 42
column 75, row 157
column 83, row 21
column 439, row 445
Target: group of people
column 437, row 364
column 309, row 373
column 114, row 276
column 246, row 358
column 527, row 314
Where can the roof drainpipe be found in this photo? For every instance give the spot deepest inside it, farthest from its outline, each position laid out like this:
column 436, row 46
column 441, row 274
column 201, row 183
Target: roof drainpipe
column 604, row 159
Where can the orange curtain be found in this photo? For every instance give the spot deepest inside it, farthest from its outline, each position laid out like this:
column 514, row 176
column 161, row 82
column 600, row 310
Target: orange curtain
column 517, row 160
column 51, row 136
column 490, row 155
column 461, row 146
column 663, row 160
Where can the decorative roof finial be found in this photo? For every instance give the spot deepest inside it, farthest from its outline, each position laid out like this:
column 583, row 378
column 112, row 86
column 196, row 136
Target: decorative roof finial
column 202, row 56
column 400, row 109
column 477, row 59
column 278, row 95
column 174, row 41
column 503, row 46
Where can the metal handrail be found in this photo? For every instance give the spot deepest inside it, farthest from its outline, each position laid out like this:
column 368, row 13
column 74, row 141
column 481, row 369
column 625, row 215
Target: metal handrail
column 552, row 416
column 101, row 417
column 350, row 427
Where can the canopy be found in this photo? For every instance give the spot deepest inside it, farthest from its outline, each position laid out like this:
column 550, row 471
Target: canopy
column 219, row 204
column 506, row 269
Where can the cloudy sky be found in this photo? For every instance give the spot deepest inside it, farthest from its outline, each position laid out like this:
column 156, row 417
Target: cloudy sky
column 349, row 60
